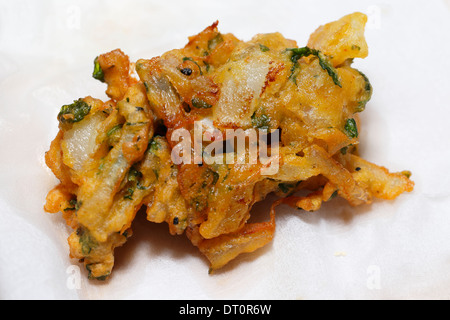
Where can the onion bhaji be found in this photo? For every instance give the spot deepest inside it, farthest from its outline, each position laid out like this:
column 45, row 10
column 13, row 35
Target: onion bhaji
column 114, row 157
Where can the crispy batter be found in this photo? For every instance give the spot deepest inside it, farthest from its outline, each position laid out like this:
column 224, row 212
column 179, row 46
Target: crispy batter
column 116, row 68
column 113, row 158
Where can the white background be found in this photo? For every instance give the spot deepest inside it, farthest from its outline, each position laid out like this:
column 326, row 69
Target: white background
column 387, row 250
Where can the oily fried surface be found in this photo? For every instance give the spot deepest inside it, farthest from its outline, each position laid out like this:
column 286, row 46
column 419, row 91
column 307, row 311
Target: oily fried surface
column 113, row 158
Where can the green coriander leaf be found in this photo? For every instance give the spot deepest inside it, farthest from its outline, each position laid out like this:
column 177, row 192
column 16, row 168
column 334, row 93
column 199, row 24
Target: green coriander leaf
column 407, row 174
column 262, row 122
column 351, row 129
column 74, row 112
column 263, row 48
column 154, row 145
column 129, row 195
column 214, row 42
column 87, row 242
column 200, row 104
column 98, row 71
column 134, row 175
column 326, row 65
column 114, row 130
column 298, row 53
column 286, row 187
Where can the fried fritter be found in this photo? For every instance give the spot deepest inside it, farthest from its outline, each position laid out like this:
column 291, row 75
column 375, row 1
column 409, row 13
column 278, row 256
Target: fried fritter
column 115, row 157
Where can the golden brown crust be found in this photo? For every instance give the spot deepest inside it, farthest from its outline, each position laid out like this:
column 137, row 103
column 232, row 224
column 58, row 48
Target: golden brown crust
column 111, row 161
column 116, row 69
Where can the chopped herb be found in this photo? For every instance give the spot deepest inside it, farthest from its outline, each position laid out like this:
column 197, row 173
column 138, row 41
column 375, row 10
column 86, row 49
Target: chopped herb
column 294, row 71
column 334, row 195
column 357, row 169
column 200, row 104
column 114, row 130
column 156, row 174
column 192, row 60
column 74, row 112
column 286, row 187
column 74, row 206
column 98, row 71
column 262, row 122
column 298, row 53
column 351, row 130
column 207, row 66
column 326, row 65
column 91, row 277
column 356, row 48
column 154, row 145
column 129, row 195
column 139, row 66
column 344, row 150
column 361, row 106
column 368, row 86
column 199, row 203
column 134, row 175
column 216, row 177
column 367, row 95
column 103, row 278
column 263, row 48
column 227, row 175
column 87, row 242
column 88, row 268
column 176, row 221
column 113, row 135
column 407, row 174
column 214, row 42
